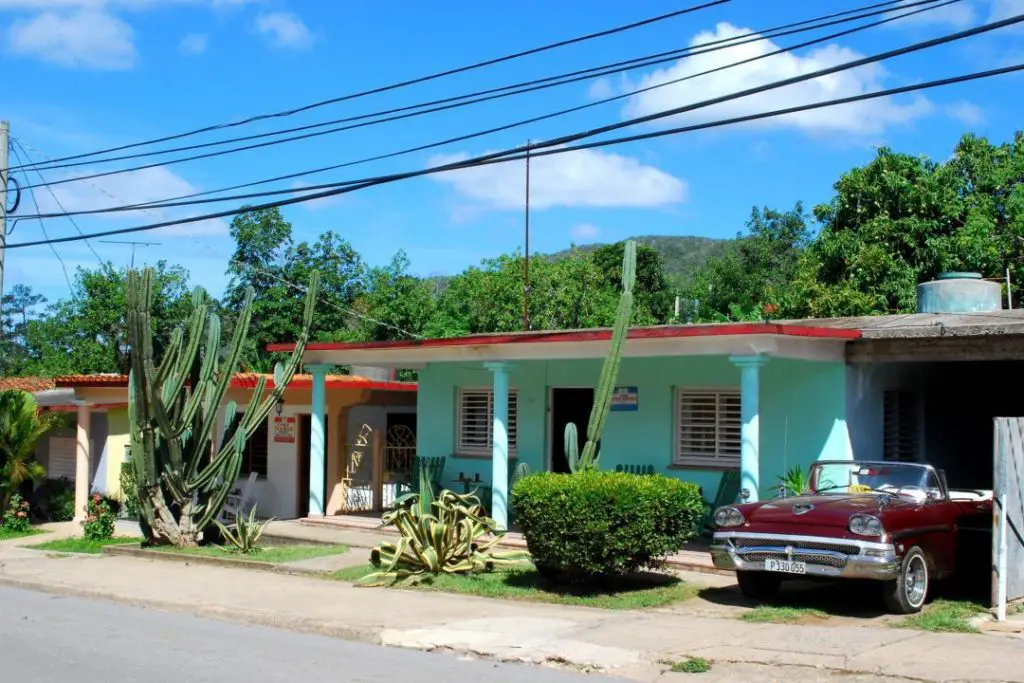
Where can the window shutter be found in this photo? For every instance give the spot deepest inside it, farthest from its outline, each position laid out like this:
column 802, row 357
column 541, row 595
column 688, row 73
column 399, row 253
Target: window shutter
column 476, row 420
column 255, row 457
column 708, row 427
column 900, row 440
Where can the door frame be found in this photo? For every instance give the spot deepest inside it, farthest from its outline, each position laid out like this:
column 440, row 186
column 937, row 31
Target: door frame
column 302, row 464
column 549, row 418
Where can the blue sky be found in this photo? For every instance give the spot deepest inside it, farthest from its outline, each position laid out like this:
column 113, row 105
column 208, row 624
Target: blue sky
column 87, row 74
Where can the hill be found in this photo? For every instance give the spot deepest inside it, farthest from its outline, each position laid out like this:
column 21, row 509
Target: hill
column 681, row 254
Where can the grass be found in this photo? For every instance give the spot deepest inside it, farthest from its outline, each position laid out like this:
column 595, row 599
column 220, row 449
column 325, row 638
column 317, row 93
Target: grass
column 83, row 545
column 770, row 614
column 272, row 555
column 526, row 585
column 691, row 665
column 7, row 535
column 944, row 616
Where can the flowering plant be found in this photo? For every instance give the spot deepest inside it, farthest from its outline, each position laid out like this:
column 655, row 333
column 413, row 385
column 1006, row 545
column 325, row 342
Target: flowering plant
column 99, row 519
column 16, row 517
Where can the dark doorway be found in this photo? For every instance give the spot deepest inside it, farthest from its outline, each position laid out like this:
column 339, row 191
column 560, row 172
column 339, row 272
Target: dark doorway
column 305, row 427
column 568, row 405
column 395, row 419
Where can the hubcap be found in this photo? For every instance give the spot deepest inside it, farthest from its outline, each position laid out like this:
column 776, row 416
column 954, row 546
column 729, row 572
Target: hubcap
column 915, row 581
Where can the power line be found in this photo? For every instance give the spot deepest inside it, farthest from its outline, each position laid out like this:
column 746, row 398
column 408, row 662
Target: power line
column 56, row 200
column 172, row 202
column 509, row 90
column 300, row 288
column 502, row 157
column 413, row 81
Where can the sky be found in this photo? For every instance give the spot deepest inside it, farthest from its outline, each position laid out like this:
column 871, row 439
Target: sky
column 83, row 75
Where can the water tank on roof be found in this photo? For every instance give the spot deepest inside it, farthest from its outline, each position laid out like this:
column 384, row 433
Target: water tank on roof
column 959, row 293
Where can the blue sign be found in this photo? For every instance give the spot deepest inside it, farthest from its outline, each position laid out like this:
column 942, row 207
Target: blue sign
column 625, row 398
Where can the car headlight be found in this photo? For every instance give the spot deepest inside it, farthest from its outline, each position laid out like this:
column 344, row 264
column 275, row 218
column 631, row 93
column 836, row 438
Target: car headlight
column 729, row 516
column 866, row 525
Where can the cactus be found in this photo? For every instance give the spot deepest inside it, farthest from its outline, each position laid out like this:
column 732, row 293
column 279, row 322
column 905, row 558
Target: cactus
column 588, row 459
column 182, row 481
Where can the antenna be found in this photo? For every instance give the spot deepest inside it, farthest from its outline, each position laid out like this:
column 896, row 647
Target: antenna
column 134, row 244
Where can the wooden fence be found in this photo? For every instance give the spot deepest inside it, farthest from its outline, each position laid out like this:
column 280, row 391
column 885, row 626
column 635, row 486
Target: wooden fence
column 1008, row 512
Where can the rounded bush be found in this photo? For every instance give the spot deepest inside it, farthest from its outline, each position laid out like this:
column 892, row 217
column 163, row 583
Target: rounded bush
column 592, row 525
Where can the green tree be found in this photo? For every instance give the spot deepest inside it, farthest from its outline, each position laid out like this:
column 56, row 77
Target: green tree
column 268, row 260
column 19, row 307
column 394, row 304
column 87, row 334
column 21, row 425
column 655, row 296
column 901, row 220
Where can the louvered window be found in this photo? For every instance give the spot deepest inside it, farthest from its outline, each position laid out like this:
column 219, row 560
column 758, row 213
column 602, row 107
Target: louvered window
column 476, row 421
column 900, row 423
column 255, row 457
column 708, row 427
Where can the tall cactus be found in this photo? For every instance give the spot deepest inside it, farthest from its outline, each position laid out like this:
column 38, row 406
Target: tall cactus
column 182, row 480
column 609, row 372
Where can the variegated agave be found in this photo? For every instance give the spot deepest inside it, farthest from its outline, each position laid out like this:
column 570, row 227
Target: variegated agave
column 446, row 534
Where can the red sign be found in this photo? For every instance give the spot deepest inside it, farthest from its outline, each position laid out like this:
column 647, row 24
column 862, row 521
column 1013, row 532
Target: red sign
column 284, row 430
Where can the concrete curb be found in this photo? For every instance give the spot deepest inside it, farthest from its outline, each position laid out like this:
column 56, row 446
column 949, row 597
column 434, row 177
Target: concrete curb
column 370, row 635
column 168, row 556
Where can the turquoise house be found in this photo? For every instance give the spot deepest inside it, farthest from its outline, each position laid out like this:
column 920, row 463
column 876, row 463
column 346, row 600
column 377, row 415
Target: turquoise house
column 693, row 401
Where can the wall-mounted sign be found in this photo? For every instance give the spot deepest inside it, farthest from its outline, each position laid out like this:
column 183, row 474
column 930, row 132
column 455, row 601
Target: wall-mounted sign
column 284, row 430
column 625, row 398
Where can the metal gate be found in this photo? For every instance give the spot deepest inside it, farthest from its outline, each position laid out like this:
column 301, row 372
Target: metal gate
column 1008, row 513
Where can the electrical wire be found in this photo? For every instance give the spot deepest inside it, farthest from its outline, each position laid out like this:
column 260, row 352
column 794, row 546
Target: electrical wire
column 179, row 201
column 501, row 157
column 522, row 87
column 414, row 81
column 55, row 199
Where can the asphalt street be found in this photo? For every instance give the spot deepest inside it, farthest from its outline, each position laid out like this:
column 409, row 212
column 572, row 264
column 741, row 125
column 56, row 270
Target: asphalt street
column 52, row 639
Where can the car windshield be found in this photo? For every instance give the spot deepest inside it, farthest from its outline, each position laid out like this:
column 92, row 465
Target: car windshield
column 898, row 479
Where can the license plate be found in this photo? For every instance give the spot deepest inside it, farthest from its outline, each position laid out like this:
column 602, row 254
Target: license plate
column 787, row 566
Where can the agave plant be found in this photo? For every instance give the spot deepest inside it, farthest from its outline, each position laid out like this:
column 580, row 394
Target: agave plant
column 795, row 482
column 449, row 534
column 244, row 535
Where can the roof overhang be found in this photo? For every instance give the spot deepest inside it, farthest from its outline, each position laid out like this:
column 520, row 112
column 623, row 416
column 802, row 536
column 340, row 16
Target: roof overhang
column 785, row 341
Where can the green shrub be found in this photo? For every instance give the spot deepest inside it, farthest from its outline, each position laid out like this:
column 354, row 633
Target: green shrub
column 593, row 525
column 16, row 518
column 54, row 500
column 99, row 519
column 129, row 491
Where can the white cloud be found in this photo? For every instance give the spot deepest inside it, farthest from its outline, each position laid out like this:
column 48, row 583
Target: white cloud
column 601, row 89
column 284, row 29
column 582, row 178
column 966, row 112
column 194, row 44
column 1004, row 9
column 135, row 187
column 585, row 232
column 83, row 39
column 868, row 117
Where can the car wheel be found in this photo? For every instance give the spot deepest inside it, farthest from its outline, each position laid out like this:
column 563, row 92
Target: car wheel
column 907, row 593
column 758, row 585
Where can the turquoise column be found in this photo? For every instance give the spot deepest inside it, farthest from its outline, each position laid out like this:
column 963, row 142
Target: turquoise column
column 750, row 430
column 317, row 443
column 499, row 446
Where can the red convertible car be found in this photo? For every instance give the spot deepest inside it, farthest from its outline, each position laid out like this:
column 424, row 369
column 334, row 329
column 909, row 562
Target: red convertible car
column 893, row 522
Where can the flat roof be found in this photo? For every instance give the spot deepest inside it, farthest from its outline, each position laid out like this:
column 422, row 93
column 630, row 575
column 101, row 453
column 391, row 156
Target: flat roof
column 926, row 325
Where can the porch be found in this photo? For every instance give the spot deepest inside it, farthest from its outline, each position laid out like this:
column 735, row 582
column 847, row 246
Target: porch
column 692, row 401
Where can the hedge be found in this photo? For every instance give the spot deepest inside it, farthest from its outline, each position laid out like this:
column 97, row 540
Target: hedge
column 593, row 525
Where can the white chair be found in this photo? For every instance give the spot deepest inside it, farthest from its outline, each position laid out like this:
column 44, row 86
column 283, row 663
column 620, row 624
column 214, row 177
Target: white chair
column 238, row 502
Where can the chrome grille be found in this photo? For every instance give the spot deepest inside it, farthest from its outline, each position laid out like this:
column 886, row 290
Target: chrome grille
column 826, row 560
column 782, row 542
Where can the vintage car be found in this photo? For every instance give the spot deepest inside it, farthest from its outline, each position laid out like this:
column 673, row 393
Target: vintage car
column 892, row 522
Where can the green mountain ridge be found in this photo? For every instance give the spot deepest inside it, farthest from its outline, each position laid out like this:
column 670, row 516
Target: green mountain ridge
column 681, row 254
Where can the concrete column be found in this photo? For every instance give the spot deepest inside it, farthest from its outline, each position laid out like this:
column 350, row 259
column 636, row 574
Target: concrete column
column 317, row 444
column 83, row 455
column 750, row 432
column 499, row 446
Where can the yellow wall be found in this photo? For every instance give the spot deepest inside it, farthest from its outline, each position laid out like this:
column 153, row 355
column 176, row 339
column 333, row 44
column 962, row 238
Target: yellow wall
column 117, row 438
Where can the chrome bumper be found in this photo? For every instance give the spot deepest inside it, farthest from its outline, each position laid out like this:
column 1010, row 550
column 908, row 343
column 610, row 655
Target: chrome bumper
column 827, row 557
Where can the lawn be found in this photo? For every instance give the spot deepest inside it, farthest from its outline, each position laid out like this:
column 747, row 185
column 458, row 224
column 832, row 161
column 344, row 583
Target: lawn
column 769, row 614
column 527, row 585
column 7, row 535
column 946, row 616
column 272, row 555
column 83, row 545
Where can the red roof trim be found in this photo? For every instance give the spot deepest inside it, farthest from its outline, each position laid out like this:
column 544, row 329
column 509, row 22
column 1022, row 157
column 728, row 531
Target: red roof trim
column 332, row 382
column 666, row 332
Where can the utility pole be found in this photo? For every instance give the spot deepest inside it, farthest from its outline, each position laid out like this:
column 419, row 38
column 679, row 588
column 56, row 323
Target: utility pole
column 526, row 271
column 134, row 244
column 5, row 133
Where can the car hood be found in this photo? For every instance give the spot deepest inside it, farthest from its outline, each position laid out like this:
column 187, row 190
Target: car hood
column 832, row 510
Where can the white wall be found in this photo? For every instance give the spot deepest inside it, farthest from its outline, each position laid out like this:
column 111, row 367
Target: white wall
column 866, row 385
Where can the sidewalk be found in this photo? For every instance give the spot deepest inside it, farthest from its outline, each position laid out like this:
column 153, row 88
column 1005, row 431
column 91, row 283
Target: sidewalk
column 624, row 643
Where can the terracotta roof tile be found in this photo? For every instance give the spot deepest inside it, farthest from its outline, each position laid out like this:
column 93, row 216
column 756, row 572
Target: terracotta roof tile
column 98, row 380
column 30, row 384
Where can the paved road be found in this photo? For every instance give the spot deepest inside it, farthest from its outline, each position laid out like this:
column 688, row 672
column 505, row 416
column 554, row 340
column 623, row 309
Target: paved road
column 51, row 639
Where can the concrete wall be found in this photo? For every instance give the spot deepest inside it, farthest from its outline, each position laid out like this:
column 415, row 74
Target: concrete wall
column 56, row 451
column 803, row 409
